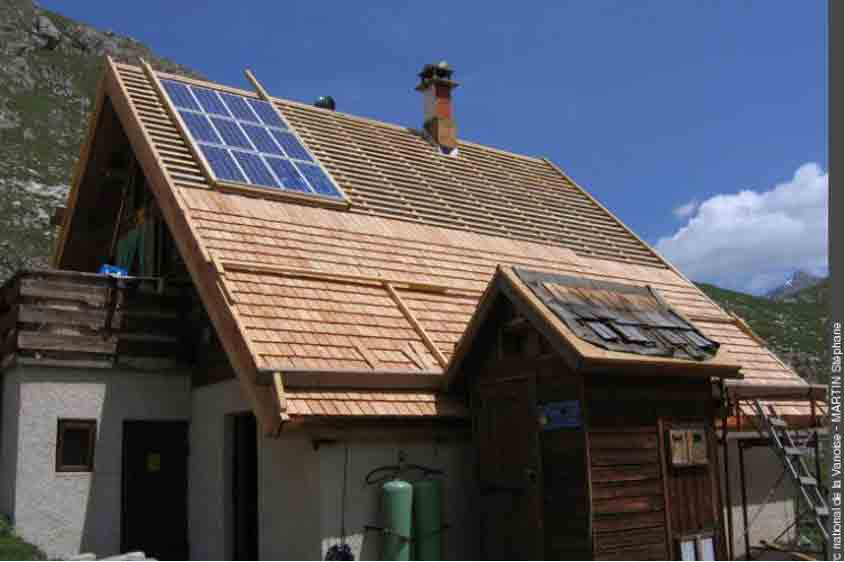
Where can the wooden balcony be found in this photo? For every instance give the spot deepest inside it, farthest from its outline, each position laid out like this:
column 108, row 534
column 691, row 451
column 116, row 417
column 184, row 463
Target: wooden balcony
column 67, row 318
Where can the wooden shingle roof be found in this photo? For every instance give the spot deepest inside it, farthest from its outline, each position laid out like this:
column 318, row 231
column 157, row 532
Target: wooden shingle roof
column 389, row 285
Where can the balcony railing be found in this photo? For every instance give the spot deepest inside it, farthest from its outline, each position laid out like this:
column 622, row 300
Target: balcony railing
column 66, row 318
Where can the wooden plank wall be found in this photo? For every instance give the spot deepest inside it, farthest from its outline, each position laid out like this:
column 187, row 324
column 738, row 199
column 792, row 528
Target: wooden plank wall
column 627, row 490
column 84, row 320
column 638, row 504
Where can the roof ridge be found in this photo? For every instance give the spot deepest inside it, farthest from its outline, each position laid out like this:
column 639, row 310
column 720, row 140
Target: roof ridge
column 307, row 106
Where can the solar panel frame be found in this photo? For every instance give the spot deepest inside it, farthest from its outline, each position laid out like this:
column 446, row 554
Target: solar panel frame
column 220, row 138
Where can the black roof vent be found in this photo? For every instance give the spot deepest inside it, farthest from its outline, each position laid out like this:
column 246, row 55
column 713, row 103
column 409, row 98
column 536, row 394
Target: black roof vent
column 326, row 102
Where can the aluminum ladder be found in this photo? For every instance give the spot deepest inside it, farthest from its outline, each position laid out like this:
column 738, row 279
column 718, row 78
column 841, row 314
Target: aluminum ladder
column 791, row 456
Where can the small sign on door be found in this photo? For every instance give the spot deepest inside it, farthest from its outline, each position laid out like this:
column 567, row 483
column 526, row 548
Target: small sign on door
column 560, row 415
column 153, row 462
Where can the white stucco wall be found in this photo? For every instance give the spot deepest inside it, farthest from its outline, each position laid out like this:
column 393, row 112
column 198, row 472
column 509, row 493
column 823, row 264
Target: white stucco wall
column 762, row 468
column 67, row 513
column 300, row 486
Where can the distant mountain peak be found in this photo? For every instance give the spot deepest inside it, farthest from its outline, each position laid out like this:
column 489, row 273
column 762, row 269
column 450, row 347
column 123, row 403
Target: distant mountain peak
column 798, row 281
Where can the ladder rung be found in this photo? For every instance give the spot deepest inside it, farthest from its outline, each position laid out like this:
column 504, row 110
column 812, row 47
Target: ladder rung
column 808, row 481
column 795, row 451
column 777, row 422
column 822, row 511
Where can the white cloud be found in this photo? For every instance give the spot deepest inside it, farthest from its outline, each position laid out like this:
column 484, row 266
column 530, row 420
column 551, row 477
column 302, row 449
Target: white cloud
column 752, row 240
column 686, row 210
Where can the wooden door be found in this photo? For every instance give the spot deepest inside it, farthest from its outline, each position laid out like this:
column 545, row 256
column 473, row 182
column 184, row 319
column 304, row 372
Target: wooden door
column 509, row 470
column 693, row 498
column 155, row 510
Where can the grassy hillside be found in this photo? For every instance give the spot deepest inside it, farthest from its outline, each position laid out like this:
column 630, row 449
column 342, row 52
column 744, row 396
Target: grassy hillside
column 793, row 328
column 49, row 69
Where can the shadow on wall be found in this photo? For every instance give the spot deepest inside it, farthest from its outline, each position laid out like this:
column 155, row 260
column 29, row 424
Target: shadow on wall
column 762, row 468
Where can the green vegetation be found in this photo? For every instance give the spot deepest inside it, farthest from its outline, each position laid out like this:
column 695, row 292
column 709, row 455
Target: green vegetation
column 793, row 328
column 12, row 547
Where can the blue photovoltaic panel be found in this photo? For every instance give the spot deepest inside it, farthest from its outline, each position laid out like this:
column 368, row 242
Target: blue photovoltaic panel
column 239, row 108
column 200, row 127
column 180, row 94
column 222, row 163
column 288, row 174
column 210, row 102
column 255, row 169
column 231, row 133
column 262, row 139
column 267, row 114
column 319, row 180
column 245, row 140
column 291, row 145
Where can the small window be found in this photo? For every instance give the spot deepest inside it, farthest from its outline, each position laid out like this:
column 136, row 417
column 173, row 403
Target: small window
column 700, row 546
column 75, row 445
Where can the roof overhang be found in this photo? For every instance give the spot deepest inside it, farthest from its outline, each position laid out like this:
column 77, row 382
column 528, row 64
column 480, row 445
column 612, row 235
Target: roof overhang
column 580, row 355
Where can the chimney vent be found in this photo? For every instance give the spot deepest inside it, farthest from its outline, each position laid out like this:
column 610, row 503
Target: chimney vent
column 436, row 86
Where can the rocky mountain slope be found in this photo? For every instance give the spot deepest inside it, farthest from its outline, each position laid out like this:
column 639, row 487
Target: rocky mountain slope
column 793, row 328
column 797, row 282
column 49, row 67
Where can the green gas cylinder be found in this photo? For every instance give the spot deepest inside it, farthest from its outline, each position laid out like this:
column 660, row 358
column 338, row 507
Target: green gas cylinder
column 427, row 519
column 397, row 506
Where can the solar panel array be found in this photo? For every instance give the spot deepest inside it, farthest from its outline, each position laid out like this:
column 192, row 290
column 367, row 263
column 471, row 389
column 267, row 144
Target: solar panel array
column 245, row 140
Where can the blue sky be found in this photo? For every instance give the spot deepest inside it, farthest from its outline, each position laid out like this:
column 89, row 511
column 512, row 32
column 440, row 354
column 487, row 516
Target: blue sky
column 665, row 111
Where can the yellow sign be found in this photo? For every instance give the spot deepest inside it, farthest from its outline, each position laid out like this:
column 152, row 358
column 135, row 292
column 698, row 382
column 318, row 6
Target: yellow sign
column 153, row 462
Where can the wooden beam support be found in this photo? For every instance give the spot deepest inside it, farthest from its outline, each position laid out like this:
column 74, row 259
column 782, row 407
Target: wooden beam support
column 408, row 314
column 188, row 242
column 183, row 129
column 278, row 385
column 254, row 267
column 259, row 89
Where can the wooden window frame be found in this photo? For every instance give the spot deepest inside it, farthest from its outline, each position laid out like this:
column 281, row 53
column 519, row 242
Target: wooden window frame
column 72, row 423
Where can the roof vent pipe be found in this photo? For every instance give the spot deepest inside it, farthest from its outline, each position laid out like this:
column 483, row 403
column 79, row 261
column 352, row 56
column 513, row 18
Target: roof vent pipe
column 326, row 102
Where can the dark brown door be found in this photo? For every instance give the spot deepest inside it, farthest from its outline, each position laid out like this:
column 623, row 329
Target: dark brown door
column 155, row 511
column 509, row 470
column 245, row 487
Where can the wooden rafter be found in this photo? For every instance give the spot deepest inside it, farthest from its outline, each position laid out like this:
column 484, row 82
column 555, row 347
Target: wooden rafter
column 420, row 330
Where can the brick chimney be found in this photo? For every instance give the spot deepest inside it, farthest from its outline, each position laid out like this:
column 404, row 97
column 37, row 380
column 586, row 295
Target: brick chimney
column 436, row 85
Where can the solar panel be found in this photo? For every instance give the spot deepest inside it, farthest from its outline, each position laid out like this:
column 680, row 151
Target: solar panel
column 245, row 140
column 210, row 102
column 181, row 96
column 291, row 145
column 222, row 163
column 231, row 133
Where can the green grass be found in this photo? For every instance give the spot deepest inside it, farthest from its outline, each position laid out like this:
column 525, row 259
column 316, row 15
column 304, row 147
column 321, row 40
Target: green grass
column 13, row 547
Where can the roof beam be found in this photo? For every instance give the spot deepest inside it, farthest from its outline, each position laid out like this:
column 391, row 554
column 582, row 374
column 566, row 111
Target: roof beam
column 420, row 330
